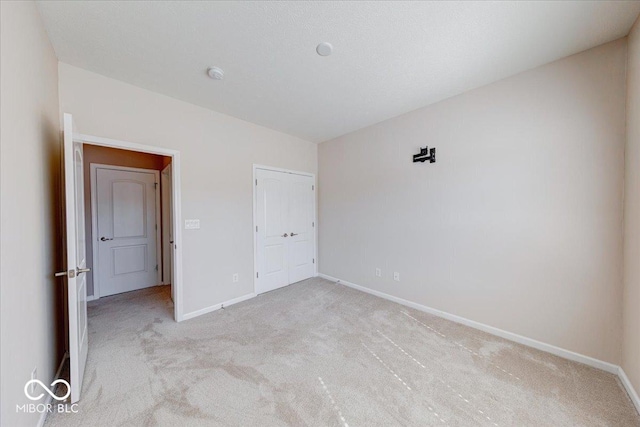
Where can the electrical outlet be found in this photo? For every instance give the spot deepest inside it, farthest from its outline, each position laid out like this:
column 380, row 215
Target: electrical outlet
column 378, row 272
column 396, row 276
column 34, row 376
column 235, row 278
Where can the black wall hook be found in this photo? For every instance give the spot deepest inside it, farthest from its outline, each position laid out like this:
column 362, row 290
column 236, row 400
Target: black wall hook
column 425, row 154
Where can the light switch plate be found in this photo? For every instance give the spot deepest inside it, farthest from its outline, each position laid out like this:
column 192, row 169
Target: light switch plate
column 191, row 224
column 396, row 276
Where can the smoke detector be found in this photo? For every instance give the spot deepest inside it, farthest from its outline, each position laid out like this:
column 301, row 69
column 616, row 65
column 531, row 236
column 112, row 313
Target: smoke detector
column 215, row 73
column 324, row 49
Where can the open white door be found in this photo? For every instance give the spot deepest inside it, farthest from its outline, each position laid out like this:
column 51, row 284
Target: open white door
column 76, row 259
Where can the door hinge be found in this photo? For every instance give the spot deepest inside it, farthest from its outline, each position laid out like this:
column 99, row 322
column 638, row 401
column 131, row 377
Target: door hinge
column 256, row 182
column 313, row 187
column 314, row 260
column 313, row 224
column 156, row 267
column 256, row 228
column 155, row 184
column 156, row 226
column 257, row 275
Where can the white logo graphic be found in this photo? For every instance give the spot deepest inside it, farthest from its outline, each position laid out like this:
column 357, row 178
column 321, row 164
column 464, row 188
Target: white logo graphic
column 53, row 384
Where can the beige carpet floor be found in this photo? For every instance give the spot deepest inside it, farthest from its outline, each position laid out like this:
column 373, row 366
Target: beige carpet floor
column 320, row 354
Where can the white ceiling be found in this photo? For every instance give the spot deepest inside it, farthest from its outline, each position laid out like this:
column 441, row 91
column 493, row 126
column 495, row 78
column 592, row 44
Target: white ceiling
column 389, row 57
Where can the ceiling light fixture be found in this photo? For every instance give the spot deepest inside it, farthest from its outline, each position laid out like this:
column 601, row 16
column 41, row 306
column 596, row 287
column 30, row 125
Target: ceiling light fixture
column 215, row 73
column 324, row 49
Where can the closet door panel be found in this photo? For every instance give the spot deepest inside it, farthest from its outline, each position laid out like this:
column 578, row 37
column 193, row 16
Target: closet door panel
column 302, row 233
column 272, row 222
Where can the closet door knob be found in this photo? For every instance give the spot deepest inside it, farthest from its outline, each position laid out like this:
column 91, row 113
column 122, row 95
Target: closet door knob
column 293, row 234
column 104, row 239
column 285, row 235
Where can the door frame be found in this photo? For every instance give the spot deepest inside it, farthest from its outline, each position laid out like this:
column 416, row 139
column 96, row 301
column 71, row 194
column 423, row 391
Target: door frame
column 254, row 184
column 176, row 193
column 165, row 209
column 94, row 220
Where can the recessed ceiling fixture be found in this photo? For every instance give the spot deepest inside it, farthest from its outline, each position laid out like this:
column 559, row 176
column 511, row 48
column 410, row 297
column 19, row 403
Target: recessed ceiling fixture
column 324, row 49
column 215, row 73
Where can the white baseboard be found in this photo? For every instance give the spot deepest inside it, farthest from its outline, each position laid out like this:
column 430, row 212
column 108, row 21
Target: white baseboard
column 49, row 399
column 529, row 342
column 624, row 379
column 215, row 307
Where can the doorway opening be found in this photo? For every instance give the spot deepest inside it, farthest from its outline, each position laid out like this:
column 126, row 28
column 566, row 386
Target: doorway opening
column 135, row 215
column 131, row 218
column 128, row 223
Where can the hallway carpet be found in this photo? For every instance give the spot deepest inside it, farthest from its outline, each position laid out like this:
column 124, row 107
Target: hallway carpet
column 320, row 354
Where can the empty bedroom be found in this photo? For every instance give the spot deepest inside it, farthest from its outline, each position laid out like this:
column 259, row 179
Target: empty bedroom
column 320, row 213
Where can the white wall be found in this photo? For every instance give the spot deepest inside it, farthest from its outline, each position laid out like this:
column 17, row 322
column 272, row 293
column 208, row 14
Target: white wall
column 631, row 337
column 217, row 154
column 30, row 314
column 519, row 223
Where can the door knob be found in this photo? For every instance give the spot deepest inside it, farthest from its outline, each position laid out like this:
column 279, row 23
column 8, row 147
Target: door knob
column 285, row 235
column 70, row 274
column 82, row 270
column 293, row 234
column 104, row 239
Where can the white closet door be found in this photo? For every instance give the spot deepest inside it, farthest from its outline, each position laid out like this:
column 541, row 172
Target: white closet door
column 285, row 246
column 272, row 220
column 301, row 231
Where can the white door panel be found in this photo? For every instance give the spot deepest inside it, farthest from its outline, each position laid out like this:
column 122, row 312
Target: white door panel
column 129, row 259
column 128, row 217
column 301, row 232
column 272, row 195
column 76, row 255
column 126, row 230
column 285, row 243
